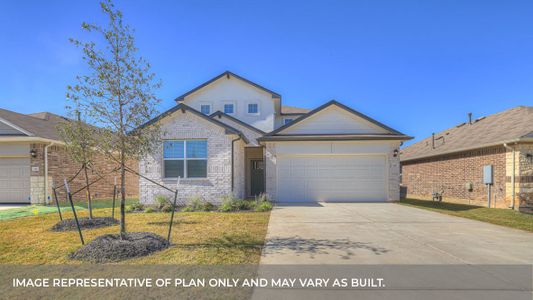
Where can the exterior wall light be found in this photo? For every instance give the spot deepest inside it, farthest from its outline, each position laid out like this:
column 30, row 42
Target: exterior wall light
column 395, row 152
column 33, row 153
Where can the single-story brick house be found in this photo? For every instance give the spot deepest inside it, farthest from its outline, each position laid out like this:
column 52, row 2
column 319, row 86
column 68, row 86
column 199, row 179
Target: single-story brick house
column 452, row 161
column 232, row 136
column 32, row 157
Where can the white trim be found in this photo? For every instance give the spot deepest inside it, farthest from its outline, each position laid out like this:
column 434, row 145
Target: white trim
column 16, row 127
column 234, row 107
column 210, row 104
column 184, row 159
column 248, row 109
column 46, row 172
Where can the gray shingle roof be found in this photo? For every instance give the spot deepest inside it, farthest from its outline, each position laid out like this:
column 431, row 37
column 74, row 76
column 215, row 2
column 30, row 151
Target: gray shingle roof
column 506, row 126
column 42, row 125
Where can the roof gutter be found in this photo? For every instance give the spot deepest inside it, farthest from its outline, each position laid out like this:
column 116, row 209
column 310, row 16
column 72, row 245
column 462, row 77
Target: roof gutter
column 279, row 138
column 46, row 172
column 29, row 139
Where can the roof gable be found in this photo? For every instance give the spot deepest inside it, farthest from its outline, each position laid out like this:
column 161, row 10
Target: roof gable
column 185, row 108
column 227, row 75
column 334, row 118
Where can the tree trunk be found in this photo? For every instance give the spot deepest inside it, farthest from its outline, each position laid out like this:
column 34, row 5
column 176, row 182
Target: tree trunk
column 89, row 204
column 122, row 197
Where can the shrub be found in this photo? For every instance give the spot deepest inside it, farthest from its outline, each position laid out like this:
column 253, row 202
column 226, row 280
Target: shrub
column 161, row 201
column 149, row 210
column 167, row 208
column 262, row 202
column 208, row 206
column 226, row 203
column 128, row 208
column 196, row 203
column 263, row 206
column 231, row 203
column 138, row 206
column 263, row 197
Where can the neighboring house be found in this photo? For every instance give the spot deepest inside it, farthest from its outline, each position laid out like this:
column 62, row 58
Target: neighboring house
column 32, row 157
column 452, row 161
column 232, row 136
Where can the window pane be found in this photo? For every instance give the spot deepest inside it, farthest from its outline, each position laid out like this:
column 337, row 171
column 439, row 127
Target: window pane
column 287, row 121
column 228, row 108
column 205, row 109
column 197, row 168
column 173, row 149
column 197, row 149
column 253, row 108
column 174, row 168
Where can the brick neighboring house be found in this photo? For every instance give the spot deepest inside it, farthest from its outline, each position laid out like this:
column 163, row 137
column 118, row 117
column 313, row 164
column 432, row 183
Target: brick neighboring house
column 32, row 156
column 452, row 161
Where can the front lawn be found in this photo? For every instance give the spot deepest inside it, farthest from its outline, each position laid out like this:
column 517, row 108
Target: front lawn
column 498, row 216
column 32, row 210
column 197, row 237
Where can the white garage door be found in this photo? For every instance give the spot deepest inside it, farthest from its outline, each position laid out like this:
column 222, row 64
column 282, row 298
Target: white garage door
column 14, row 180
column 354, row 178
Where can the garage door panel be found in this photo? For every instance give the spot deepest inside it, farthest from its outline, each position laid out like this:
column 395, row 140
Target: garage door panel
column 332, row 178
column 14, row 180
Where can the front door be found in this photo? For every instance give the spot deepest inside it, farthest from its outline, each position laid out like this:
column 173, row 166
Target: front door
column 257, row 175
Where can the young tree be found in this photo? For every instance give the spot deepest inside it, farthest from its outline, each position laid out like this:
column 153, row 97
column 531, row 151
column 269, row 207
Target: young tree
column 117, row 95
column 80, row 142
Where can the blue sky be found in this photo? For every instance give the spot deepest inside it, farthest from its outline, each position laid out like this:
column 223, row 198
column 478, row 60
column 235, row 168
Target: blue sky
column 417, row 66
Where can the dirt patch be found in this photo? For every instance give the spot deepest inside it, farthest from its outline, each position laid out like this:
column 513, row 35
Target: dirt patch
column 111, row 248
column 85, row 223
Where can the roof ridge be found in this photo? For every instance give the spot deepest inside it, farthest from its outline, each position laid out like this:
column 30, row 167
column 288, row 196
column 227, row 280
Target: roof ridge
column 228, row 74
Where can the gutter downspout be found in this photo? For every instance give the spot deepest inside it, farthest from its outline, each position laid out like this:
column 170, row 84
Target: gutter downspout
column 232, row 162
column 512, row 175
column 46, row 172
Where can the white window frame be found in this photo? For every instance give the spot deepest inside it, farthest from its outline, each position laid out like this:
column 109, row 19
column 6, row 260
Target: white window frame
column 185, row 159
column 210, row 107
column 248, row 108
column 287, row 121
column 234, row 107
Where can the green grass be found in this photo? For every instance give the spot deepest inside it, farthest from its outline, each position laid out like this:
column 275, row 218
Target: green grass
column 498, row 216
column 31, row 210
column 197, row 238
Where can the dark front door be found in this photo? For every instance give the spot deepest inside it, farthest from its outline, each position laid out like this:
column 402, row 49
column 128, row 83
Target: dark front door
column 257, row 175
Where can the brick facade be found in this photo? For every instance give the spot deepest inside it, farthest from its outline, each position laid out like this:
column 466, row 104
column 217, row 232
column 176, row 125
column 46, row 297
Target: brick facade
column 453, row 172
column 219, row 147
column 60, row 166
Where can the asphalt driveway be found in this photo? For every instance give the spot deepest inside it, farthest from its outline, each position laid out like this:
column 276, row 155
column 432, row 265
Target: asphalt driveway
column 387, row 233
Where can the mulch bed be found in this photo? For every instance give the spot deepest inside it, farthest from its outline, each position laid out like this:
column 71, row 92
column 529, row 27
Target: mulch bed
column 85, row 223
column 111, row 248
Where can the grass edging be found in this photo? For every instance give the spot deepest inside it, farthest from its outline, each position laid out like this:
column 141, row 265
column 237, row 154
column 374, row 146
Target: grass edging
column 497, row 216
